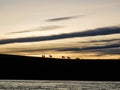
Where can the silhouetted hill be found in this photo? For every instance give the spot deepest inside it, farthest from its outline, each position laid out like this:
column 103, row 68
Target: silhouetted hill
column 22, row 67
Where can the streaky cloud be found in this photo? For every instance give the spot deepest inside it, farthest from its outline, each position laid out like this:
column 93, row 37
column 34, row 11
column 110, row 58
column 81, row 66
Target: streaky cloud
column 43, row 28
column 116, row 45
column 62, row 18
column 95, row 32
column 95, row 41
column 113, row 48
column 105, row 40
column 110, row 50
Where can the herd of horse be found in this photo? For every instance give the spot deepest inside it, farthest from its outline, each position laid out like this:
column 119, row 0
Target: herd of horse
column 63, row 57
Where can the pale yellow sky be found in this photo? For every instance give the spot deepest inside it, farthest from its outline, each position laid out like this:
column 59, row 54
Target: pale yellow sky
column 30, row 18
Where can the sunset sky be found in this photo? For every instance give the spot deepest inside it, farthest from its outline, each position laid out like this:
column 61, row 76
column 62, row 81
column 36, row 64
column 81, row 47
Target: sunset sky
column 75, row 28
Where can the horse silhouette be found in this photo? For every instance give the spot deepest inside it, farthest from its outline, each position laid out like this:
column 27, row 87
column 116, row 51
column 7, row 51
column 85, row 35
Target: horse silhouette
column 68, row 57
column 63, row 57
column 77, row 58
column 50, row 56
column 43, row 56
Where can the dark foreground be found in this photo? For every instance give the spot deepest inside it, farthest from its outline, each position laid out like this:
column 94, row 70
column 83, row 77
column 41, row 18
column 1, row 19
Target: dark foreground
column 32, row 68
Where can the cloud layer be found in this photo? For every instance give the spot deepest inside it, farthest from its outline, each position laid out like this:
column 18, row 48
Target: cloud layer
column 116, row 45
column 108, row 48
column 44, row 28
column 95, row 41
column 95, row 32
column 62, row 18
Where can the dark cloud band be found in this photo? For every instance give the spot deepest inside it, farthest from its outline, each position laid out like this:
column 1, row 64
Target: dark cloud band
column 117, row 45
column 44, row 28
column 62, row 18
column 95, row 32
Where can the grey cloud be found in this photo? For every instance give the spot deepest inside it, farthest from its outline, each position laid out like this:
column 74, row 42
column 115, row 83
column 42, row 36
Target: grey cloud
column 44, row 28
column 36, row 50
column 93, row 47
column 95, row 32
column 27, row 50
column 62, row 18
column 111, row 40
column 108, row 48
column 95, row 41
column 112, row 51
column 102, row 50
